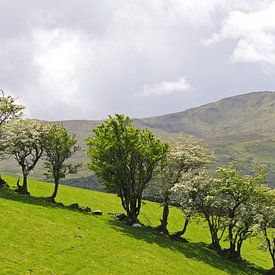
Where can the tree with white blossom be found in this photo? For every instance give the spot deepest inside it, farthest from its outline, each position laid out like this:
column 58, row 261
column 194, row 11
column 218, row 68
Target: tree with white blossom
column 24, row 140
column 186, row 155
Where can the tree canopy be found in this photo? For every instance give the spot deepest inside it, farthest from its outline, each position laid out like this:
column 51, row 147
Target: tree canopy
column 59, row 145
column 24, row 140
column 125, row 158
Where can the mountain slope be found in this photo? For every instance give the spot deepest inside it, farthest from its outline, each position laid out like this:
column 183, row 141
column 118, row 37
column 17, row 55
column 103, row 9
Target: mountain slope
column 248, row 113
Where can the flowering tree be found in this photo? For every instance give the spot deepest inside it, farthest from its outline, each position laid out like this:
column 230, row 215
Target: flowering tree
column 197, row 194
column 8, row 110
column 241, row 195
column 24, row 140
column 184, row 156
column 265, row 223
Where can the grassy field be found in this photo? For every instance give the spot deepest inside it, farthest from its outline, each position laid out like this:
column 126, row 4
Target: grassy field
column 41, row 238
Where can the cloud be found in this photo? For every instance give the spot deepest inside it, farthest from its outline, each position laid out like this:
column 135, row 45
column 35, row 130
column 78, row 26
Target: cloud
column 254, row 33
column 72, row 59
column 165, row 88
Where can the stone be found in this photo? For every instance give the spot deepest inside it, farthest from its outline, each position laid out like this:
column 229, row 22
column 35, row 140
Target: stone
column 74, row 206
column 97, row 212
column 87, row 209
column 136, row 225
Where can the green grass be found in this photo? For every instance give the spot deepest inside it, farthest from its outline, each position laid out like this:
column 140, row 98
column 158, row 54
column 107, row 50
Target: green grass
column 42, row 238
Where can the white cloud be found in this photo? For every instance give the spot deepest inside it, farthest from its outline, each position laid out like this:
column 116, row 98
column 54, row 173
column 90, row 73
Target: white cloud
column 165, row 88
column 254, row 32
column 72, row 59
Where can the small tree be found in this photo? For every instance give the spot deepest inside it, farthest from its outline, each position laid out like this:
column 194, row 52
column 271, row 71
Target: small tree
column 24, row 139
column 197, row 194
column 184, row 156
column 240, row 197
column 8, row 110
column 125, row 158
column 265, row 223
column 58, row 147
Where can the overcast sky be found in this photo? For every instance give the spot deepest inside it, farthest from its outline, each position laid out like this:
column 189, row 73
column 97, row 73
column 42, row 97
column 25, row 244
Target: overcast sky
column 85, row 59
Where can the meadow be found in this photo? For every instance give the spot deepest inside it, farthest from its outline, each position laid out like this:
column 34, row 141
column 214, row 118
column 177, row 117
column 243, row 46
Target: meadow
column 39, row 237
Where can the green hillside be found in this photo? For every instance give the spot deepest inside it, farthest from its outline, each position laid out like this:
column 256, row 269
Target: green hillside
column 41, row 238
column 252, row 113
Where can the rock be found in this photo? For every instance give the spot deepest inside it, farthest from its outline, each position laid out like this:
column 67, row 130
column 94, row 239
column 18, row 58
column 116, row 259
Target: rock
column 74, row 206
column 87, row 209
column 136, row 225
column 97, row 212
column 120, row 216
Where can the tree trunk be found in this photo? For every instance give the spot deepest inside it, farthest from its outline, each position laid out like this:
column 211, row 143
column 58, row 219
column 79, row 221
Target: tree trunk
column 133, row 213
column 178, row 234
column 239, row 247
column 231, row 250
column 164, row 221
column 133, row 217
column 56, row 184
column 23, row 189
column 25, row 184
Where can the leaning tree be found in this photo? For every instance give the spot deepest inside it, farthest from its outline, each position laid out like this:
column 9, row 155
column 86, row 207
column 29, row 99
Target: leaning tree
column 198, row 195
column 186, row 155
column 242, row 197
column 59, row 146
column 125, row 158
column 24, row 140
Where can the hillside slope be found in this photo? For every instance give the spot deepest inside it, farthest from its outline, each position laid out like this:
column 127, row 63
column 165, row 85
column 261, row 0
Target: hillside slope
column 248, row 113
column 42, row 238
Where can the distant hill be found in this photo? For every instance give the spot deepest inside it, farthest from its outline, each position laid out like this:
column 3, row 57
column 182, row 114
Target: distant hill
column 238, row 128
column 248, row 113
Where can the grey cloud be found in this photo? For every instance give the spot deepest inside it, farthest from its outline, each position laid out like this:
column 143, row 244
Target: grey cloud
column 72, row 59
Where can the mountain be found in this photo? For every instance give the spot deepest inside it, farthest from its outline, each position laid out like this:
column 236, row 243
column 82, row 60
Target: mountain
column 240, row 128
column 243, row 114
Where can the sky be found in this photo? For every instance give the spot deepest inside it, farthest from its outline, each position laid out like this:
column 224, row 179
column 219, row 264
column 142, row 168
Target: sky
column 86, row 59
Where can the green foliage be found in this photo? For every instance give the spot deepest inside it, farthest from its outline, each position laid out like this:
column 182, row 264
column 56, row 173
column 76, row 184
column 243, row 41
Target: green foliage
column 229, row 203
column 59, row 145
column 265, row 222
column 125, row 158
column 241, row 197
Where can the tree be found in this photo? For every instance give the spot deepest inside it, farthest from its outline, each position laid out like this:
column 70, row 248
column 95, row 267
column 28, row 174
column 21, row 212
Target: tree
column 24, row 139
column 58, row 147
column 265, row 222
column 184, row 156
column 8, row 110
column 197, row 194
column 240, row 196
column 125, row 158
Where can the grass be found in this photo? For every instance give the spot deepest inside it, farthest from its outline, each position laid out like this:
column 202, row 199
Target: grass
column 38, row 237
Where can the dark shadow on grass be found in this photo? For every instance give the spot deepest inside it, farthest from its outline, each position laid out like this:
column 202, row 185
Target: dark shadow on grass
column 10, row 194
column 199, row 251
